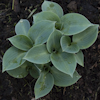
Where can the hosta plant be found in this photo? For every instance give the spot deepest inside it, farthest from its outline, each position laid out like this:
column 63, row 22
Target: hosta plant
column 50, row 49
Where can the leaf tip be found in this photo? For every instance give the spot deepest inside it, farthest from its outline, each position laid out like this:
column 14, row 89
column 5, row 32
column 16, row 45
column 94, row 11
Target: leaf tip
column 8, row 39
column 83, row 65
column 36, row 97
column 78, row 76
column 71, row 75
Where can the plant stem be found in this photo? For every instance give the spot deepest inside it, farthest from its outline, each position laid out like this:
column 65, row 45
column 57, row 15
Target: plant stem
column 13, row 4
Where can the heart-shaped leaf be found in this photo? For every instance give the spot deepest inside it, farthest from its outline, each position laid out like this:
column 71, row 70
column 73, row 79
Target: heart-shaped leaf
column 53, row 7
column 22, row 27
column 43, row 85
column 62, row 79
column 34, row 71
column 86, row 38
column 40, row 31
column 53, row 42
column 38, row 54
column 64, row 62
column 68, row 46
column 19, row 72
column 13, row 58
column 80, row 58
column 74, row 23
column 45, row 15
column 21, row 42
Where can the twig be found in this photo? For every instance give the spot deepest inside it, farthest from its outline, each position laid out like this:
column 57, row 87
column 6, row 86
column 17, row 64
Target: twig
column 15, row 5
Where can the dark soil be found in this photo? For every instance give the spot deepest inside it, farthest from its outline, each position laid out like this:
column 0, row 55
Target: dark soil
column 87, row 88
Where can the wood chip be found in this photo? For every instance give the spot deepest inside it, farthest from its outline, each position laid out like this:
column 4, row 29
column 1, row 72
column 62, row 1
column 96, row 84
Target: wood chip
column 72, row 6
column 64, row 90
column 16, row 6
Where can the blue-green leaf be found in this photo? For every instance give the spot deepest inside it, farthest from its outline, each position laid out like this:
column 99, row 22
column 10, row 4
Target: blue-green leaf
column 53, row 42
column 43, row 85
column 64, row 62
column 38, row 54
column 34, row 71
column 80, row 58
column 22, row 27
column 62, row 79
column 13, row 58
column 53, row 7
column 21, row 42
column 45, row 15
column 68, row 46
column 19, row 72
column 40, row 31
column 74, row 23
column 39, row 66
column 86, row 38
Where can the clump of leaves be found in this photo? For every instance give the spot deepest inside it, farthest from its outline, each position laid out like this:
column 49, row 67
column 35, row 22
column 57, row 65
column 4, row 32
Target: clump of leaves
column 50, row 49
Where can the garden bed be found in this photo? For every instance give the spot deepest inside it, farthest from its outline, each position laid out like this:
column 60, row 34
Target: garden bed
column 87, row 88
